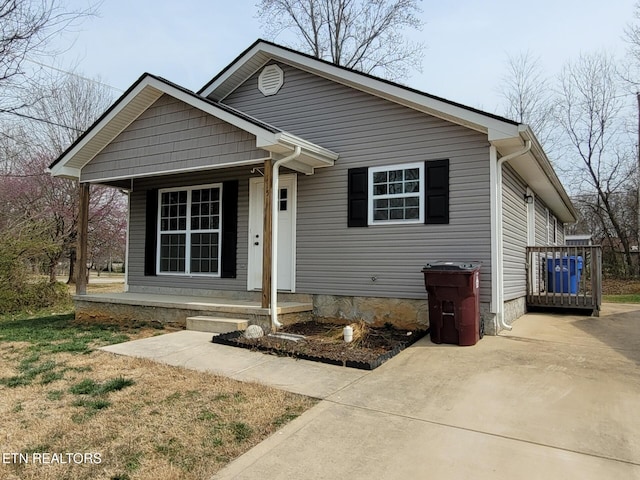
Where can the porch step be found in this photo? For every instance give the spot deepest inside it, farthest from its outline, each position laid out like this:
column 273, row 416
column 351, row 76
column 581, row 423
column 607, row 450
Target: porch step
column 204, row 323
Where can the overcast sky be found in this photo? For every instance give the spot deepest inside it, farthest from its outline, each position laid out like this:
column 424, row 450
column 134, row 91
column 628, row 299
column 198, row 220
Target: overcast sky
column 467, row 41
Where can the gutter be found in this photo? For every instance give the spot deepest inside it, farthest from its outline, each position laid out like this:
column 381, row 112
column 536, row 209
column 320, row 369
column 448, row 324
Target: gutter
column 497, row 243
column 275, row 324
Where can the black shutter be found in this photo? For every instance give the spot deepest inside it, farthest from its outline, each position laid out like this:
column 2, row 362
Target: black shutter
column 437, row 191
column 151, row 232
column 229, row 228
column 358, row 197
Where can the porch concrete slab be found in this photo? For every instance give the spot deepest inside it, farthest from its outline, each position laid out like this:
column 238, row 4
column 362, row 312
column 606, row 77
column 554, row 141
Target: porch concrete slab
column 555, row 398
column 220, row 304
column 194, row 350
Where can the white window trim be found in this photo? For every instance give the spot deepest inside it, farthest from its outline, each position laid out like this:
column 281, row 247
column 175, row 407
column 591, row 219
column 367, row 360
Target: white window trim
column 421, row 193
column 188, row 232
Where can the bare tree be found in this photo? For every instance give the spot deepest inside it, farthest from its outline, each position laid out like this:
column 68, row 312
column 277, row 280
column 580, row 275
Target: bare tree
column 68, row 106
column 529, row 97
column 366, row 35
column 589, row 110
column 27, row 28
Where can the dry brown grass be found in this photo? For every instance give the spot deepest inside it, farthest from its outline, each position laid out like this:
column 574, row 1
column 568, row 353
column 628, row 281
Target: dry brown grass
column 171, row 423
column 615, row 286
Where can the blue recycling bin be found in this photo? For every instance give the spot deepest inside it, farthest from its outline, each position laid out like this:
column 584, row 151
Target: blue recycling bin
column 563, row 274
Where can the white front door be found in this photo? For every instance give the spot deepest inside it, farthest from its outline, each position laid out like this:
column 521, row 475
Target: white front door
column 286, row 200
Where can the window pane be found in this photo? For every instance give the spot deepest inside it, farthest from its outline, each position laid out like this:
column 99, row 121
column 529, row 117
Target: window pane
column 411, row 187
column 412, row 201
column 383, row 203
column 380, row 177
column 395, row 188
column 205, row 209
column 397, row 214
column 381, row 215
column 395, row 176
column 397, row 202
column 172, row 250
column 380, row 189
column 204, row 252
column 412, row 213
column 173, row 211
column 412, row 174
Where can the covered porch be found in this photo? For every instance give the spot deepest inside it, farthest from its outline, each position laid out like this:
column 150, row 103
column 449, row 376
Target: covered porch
column 192, row 146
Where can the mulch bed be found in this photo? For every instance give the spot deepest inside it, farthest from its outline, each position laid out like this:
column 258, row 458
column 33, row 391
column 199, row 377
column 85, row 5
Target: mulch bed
column 323, row 343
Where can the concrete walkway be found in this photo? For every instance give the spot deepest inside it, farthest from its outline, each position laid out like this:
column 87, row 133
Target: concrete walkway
column 558, row 397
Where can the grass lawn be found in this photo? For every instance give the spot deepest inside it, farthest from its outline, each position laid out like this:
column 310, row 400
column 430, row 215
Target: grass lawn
column 74, row 412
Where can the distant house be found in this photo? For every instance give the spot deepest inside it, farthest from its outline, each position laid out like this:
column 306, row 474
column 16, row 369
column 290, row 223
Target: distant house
column 372, row 180
column 582, row 239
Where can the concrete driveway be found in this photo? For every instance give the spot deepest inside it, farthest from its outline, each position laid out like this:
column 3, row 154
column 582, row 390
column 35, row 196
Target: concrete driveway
column 556, row 398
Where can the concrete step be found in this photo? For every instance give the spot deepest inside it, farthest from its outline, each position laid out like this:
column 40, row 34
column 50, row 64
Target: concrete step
column 205, row 323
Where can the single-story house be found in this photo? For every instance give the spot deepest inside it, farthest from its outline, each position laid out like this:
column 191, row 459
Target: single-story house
column 365, row 181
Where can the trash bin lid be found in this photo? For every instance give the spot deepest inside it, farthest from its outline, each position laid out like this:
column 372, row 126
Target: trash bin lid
column 452, row 266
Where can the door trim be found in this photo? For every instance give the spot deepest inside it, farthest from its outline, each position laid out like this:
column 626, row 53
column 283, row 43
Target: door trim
column 291, row 181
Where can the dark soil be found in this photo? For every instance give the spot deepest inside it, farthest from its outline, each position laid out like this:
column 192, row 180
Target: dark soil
column 323, row 342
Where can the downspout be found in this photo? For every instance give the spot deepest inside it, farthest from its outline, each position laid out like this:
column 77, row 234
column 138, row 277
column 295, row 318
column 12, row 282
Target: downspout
column 497, row 246
column 275, row 324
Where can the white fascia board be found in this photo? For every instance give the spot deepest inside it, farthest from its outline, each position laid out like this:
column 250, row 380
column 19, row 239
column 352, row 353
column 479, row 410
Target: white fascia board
column 313, row 156
column 231, row 71
column 61, row 170
column 395, row 93
column 309, row 148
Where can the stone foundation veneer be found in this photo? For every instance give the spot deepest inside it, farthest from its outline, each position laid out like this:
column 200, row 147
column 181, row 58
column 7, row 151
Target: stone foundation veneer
column 410, row 314
column 513, row 309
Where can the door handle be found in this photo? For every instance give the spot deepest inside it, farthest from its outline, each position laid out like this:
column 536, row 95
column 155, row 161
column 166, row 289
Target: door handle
column 256, row 243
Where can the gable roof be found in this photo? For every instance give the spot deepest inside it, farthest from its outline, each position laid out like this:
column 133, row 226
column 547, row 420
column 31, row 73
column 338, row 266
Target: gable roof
column 506, row 135
column 149, row 88
column 263, row 51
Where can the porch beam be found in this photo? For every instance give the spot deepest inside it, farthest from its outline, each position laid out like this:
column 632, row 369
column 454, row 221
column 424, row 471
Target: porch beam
column 267, row 227
column 83, row 230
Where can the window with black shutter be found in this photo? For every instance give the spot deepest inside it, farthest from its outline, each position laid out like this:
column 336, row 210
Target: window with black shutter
column 402, row 193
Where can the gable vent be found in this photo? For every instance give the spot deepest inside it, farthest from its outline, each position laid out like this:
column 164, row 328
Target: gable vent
column 270, row 80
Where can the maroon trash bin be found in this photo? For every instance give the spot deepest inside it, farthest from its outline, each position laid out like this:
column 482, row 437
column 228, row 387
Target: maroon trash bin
column 454, row 302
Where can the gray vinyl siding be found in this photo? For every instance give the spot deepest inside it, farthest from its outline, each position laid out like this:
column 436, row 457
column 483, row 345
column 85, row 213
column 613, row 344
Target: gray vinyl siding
column 514, row 214
column 560, row 233
column 541, row 223
column 366, row 131
column 542, row 232
column 137, row 228
column 169, row 136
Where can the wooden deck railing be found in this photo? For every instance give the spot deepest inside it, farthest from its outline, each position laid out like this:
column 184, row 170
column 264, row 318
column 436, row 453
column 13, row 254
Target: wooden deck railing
column 565, row 276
